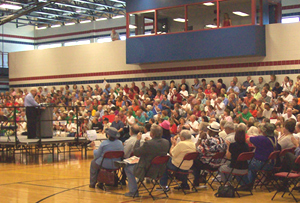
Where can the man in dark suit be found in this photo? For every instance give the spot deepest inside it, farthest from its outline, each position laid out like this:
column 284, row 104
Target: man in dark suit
column 157, row 146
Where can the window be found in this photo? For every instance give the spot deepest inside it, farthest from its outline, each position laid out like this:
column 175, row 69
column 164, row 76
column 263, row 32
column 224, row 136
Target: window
column 202, row 16
column 104, row 39
column 235, row 12
column 171, row 20
column 4, row 60
column 141, row 23
column 47, row 46
column 293, row 19
column 77, row 43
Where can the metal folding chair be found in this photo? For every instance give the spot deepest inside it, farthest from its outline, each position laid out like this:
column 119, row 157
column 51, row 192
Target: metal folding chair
column 264, row 177
column 213, row 168
column 246, row 156
column 112, row 156
column 289, row 179
column 158, row 162
column 173, row 173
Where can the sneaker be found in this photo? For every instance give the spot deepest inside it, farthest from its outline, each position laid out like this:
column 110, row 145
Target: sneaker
column 129, row 194
column 201, row 186
column 166, row 189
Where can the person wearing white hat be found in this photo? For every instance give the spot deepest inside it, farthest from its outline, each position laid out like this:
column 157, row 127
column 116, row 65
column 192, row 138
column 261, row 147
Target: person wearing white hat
column 207, row 148
column 45, row 91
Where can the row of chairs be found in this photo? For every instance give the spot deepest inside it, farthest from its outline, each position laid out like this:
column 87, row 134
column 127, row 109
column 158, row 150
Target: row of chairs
column 264, row 177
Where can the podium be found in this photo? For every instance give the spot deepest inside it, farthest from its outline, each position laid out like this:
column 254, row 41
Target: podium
column 46, row 123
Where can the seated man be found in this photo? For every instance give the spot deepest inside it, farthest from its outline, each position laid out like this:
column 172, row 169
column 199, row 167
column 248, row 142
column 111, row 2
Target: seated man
column 178, row 151
column 157, row 146
column 112, row 144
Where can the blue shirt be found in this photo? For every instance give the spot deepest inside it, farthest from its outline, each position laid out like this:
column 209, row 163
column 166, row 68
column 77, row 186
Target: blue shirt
column 226, row 101
column 235, row 89
column 29, row 101
column 141, row 119
column 150, row 115
column 107, row 146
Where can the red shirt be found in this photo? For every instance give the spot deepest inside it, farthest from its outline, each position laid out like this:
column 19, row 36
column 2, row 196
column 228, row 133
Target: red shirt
column 253, row 112
column 176, row 98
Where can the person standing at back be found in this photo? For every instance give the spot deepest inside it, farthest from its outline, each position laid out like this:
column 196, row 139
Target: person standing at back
column 114, row 35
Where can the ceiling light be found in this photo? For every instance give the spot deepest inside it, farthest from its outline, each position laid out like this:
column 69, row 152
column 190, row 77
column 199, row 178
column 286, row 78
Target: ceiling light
column 53, row 26
column 181, row 20
column 115, row 17
column 239, row 13
column 67, row 24
column 208, row 4
column 132, row 27
column 41, row 28
column 10, row 6
column 290, row 20
column 100, row 19
column 85, row 21
column 211, row 26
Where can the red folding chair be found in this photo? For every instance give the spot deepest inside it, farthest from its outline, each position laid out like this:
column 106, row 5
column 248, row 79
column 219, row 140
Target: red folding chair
column 289, row 179
column 173, row 173
column 264, row 177
column 158, row 162
column 246, row 156
column 112, row 155
column 215, row 162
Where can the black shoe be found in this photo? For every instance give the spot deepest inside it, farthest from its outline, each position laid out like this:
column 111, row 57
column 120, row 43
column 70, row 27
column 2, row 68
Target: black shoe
column 186, row 187
column 91, row 186
column 123, row 182
column 100, row 186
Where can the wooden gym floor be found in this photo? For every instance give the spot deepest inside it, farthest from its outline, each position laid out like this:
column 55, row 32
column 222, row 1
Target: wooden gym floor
column 68, row 181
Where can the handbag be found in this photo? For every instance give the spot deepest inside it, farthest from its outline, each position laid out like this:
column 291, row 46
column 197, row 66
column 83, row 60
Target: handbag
column 225, row 191
column 106, row 177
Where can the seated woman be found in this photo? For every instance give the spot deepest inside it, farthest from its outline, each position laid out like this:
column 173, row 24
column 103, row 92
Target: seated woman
column 112, row 144
column 285, row 140
column 233, row 151
column 264, row 146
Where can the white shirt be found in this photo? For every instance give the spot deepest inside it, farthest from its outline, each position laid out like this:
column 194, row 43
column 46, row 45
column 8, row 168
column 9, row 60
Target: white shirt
column 144, row 136
column 218, row 111
column 285, row 116
column 184, row 93
column 186, row 107
column 267, row 114
column 289, row 98
column 251, row 89
column 131, row 120
column 194, row 125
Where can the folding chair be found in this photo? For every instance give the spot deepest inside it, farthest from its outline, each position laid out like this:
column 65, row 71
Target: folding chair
column 112, row 155
column 213, row 167
column 246, row 156
column 263, row 175
column 290, row 178
column 172, row 173
column 158, row 162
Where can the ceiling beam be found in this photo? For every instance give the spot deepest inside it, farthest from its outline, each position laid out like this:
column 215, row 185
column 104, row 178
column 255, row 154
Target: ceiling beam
column 99, row 4
column 25, row 11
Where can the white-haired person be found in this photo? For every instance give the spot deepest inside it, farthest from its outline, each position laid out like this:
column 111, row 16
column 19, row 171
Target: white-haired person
column 149, row 113
column 177, row 152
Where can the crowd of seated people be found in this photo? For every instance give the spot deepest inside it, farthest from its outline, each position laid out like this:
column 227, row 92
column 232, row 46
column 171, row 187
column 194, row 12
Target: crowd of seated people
column 214, row 117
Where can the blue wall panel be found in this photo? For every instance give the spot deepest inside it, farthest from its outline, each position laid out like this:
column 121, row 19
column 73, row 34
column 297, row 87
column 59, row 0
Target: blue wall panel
column 140, row 5
column 218, row 43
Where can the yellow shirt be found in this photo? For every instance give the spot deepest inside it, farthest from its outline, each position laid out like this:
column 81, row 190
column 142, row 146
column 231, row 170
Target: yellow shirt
column 180, row 150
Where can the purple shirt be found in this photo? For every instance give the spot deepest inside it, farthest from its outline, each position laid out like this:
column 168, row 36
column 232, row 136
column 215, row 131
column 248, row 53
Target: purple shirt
column 263, row 146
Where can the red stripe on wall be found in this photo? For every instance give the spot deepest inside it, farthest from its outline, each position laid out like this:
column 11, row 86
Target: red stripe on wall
column 17, row 36
column 291, row 7
column 195, row 68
